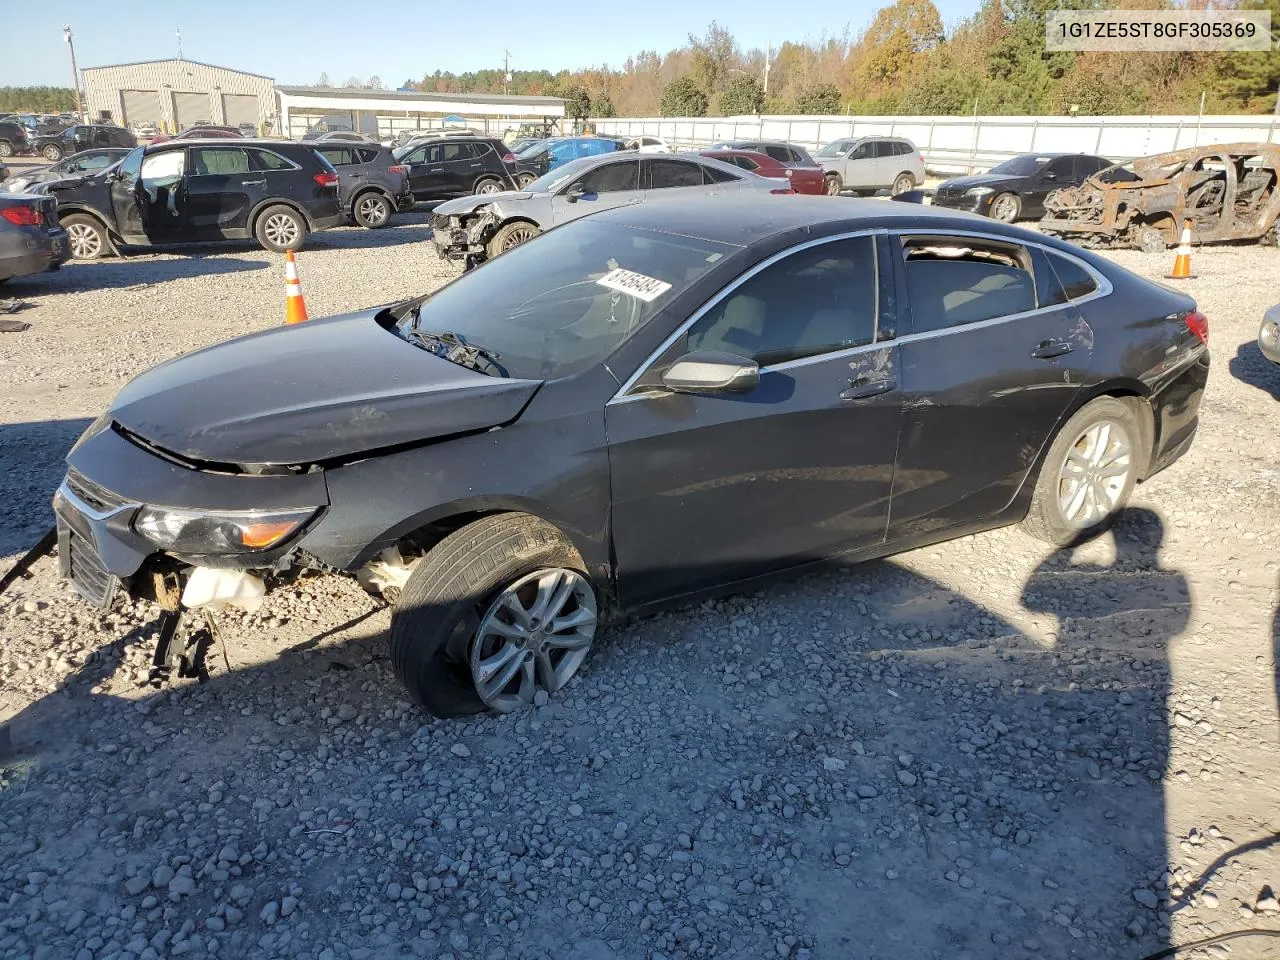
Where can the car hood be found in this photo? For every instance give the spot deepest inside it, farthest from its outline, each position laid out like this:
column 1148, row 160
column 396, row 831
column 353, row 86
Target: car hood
column 961, row 184
column 309, row 393
column 464, row 205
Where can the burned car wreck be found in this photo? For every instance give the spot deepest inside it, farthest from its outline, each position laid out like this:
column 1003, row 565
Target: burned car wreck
column 1227, row 191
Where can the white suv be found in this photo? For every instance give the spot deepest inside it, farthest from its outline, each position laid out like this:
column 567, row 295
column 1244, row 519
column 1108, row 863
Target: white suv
column 868, row 164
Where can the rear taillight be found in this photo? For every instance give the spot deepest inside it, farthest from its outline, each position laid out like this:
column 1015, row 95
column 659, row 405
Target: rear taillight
column 23, row 216
column 397, row 168
column 783, row 190
column 325, row 179
column 1198, row 324
column 508, row 158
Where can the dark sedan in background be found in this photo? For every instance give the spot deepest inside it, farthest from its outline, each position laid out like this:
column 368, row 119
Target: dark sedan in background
column 84, row 136
column 31, row 239
column 638, row 407
column 83, row 164
column 1016, row 188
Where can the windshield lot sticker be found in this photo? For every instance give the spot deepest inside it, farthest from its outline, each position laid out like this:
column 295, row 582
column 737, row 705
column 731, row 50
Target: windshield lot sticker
column 636, row 284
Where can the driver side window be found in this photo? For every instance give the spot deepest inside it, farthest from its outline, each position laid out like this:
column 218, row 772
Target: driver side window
column 611, row 178
column 862, row 151
column 816, row 301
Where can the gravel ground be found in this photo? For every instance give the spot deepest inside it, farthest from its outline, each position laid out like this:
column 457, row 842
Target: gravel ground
column 981, row 749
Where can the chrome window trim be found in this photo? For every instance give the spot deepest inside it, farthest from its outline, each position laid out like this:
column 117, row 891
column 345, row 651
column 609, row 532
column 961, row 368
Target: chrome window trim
column 1104, row 288
column 723, row 292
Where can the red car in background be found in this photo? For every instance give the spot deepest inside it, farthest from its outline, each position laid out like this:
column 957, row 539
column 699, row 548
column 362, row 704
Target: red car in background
column 803, row 179
column 202, row 133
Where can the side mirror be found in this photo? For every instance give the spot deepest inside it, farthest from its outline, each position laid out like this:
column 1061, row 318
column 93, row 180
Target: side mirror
column 575, row 192
column 710, row 371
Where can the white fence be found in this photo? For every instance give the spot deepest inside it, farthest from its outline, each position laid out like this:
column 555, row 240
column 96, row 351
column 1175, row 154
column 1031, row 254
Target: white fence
column 951, row 144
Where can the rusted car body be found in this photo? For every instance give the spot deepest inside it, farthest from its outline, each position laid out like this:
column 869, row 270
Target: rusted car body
column 1228, row 191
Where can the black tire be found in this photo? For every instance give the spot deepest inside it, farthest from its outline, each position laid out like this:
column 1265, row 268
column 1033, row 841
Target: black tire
column 1006, row 207
column 903, row 183
column 834, row 184
column 437, row 614
column 371, row 210
column 273, row 234
column 487, row 185
column 51, row 152
column 511, row 235
column 6, row 148
column 1046, row 519
column 88, row 237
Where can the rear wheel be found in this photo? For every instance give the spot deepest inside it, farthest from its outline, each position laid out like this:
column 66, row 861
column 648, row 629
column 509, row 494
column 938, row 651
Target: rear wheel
column 494, row 613
column 524, row 179
column 834, row 184
column 1088, row 474
column 280, row 228
column 487, row 186
column 51, row 152
column 511, row 235
column 6, row 148
column 1006, row 207
column 903, row 183
column 87, row 237
column 372, row 210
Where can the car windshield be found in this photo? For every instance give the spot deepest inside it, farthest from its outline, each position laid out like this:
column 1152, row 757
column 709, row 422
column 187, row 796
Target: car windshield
column 834, row 149
column 554, row 179
column 1022, row 166
column 562, row 303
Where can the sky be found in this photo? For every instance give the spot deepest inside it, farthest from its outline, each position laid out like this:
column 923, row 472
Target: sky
column 295, row 43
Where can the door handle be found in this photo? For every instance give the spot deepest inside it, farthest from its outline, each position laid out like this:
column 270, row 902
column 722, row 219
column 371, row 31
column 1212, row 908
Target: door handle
column 436, row 170
column 477, row 165
column 1049, row 349
column 252, row 183
column 865, row 389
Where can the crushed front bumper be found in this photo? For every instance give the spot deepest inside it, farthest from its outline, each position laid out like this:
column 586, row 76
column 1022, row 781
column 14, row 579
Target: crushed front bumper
column 455, row 239
column 963, row 201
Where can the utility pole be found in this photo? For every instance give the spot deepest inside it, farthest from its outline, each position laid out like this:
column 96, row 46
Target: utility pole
column 506, row 70
column 768, row 55
column 75, row 74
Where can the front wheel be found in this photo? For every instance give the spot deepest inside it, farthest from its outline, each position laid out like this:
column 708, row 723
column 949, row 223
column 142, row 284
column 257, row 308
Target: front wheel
column 6, row 148
column 51, row 152
column 833, row 184
column 1152, row 239
column 496, row 612
column 904, row 183
column 281, row 228
column 487, row 186
column 1088, row 474
column 1006, row 208
column 511, row 235
column 86, row 236
column 372, row 210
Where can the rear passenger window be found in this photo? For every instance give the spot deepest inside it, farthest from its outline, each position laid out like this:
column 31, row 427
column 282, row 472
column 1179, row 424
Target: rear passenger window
column 714, row 175
column 884, row 148
column 1077, row 282
column 338, row 156
column 673, row 173
column 952, row 282
column 266, row 160
column 220, row 160
column 366, row 156
column 903, row 149
column 815, row 301
column 779, row 153
column 1049, row 292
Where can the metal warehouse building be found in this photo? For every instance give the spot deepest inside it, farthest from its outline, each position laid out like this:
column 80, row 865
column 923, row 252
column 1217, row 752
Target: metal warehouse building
column 174, row 94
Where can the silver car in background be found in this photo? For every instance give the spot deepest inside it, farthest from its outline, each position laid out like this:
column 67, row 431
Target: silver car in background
column 477, row 228
column 867, row 164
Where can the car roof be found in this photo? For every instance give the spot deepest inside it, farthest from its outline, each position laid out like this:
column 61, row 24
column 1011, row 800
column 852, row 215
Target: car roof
column 751, row 218
column 224, row 142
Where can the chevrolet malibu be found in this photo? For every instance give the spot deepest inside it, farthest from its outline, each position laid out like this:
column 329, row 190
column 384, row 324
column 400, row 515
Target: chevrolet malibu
column 637, row 408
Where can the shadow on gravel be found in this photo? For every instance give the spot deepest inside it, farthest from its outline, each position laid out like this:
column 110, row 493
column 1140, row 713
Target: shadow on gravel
column 1251, row 367
column 32, row 455
column 122, row 272
column 862, row 762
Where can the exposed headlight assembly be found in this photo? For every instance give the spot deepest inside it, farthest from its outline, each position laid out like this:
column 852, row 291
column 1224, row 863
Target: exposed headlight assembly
column 190, row 532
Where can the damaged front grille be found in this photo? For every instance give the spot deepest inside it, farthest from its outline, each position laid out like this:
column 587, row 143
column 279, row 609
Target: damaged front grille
column 95, row 495
column 80, row 565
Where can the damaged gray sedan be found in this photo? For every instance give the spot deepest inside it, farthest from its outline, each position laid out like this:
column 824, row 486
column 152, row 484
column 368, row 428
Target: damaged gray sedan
column 639, row 407
column 478, row 228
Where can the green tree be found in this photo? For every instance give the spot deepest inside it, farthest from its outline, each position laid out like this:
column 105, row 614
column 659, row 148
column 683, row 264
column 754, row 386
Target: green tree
column 1252, row 80
column 712, row 55
column 818, row 99
column 897, row 36
column 682, row 98
column 36, row 99
column 602, row 107
column 577, row 102
column 743, row 95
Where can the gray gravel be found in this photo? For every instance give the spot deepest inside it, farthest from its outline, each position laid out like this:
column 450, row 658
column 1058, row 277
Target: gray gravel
column 980, row 749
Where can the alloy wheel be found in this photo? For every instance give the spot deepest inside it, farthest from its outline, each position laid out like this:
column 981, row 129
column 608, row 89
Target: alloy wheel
column 281, row 229
column 1094, row 475
column 487, row 187
column 524, row 180
column 534, row 636
column 1005, row 208
column 86, row 243
column 52, row 153
column 517, row 237
column 903, row 184
column 833, row 186
column 373, row 211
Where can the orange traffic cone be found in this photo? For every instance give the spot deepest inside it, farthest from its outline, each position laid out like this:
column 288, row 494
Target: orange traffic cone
column 295, row 310
column 1182, row 264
